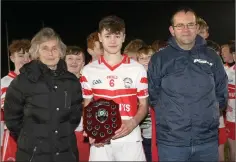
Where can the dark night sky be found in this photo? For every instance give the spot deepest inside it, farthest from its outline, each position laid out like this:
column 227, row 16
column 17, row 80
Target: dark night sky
column 74, row 21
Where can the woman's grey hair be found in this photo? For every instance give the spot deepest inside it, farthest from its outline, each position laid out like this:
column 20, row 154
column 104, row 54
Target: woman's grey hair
column 42, row 36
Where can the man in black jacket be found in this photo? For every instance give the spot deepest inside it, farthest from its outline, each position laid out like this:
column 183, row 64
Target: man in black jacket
column 187, row 89
column 43, row 104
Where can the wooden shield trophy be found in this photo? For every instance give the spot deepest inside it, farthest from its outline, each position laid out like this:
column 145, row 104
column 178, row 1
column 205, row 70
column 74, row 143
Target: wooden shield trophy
column 101, row 120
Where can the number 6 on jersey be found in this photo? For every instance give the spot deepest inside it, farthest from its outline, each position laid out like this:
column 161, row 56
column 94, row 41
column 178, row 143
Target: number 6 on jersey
column 112, row 83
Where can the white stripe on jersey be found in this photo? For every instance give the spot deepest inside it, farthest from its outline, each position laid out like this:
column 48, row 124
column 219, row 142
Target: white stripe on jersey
column 112, row 97
column 123, row 83
column 230, row 113
column 5, row 82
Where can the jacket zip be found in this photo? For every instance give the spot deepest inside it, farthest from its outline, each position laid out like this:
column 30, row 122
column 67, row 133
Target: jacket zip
column 35, row 148
column 65, row 98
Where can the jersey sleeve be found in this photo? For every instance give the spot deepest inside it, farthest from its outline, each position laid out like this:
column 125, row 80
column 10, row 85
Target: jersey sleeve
column 142, row 84
column 3, row 94
column 86, row 87
column 14, row 107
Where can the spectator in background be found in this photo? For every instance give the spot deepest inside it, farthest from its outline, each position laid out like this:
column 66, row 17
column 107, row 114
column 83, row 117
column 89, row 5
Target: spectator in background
column 94, row 47
column 75, row 60
column 222, row 129
column 158, row 45
column 230, row 113
column 19, row 55
column 144, row 55
column 203, row 28
column 132, row 48
column 213, row 45
column 227, row 56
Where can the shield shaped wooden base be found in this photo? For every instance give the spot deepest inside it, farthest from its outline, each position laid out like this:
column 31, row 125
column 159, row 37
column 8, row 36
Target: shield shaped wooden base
column 101, row 120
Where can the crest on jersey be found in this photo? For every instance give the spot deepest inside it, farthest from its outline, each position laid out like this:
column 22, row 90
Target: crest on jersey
column 128, row 82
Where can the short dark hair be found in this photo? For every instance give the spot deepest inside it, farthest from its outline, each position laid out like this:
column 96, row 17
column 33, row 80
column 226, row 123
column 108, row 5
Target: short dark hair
column 232, row 46
column 213, row 45
column 182, row 9
column 113, row 24
column 75, row 50
column 158, row 44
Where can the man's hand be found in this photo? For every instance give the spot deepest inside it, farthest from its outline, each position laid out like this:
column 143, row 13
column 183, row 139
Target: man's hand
column 126, row 128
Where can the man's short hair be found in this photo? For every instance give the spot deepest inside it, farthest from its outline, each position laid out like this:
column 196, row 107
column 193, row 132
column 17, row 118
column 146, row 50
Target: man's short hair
column 213, row 45
column 182, row 9
column 91, row 39
column 75, row 50
column 134, row 45
column 18, row 45
column 113, row 24
column 202, row 24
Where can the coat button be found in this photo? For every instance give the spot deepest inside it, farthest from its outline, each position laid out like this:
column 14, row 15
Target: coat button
column 55, row 87
column 56, row 131
column 57, row 109
column 57, row 153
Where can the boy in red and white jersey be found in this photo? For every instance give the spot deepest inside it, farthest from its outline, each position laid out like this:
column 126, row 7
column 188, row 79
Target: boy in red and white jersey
column 117, row 77
column 230, row 113
column 75, row 60
column 222, row 138
column 19, row 56
column 149, row 134
column 227, row 56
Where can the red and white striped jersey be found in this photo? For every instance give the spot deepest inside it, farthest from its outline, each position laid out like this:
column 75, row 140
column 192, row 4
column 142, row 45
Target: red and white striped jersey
column 123, row 83
column 230, row 114
column 222, row 122
column 5, row 82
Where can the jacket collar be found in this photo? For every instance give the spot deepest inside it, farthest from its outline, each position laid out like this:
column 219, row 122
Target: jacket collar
column 35, row 69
